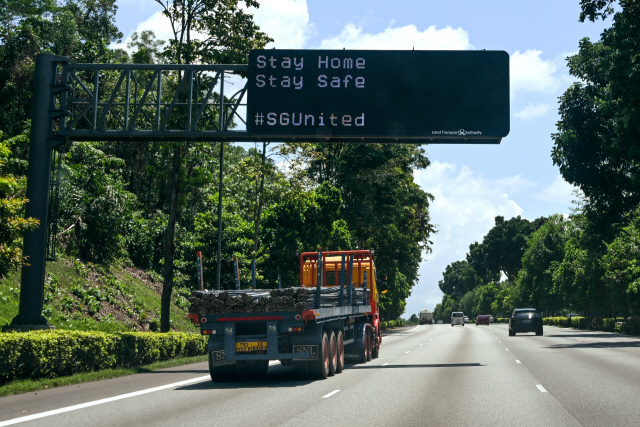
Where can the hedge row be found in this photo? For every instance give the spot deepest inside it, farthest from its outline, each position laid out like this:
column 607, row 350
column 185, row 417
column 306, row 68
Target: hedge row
column 620, row 325
column 391, row 324
column 51, row 354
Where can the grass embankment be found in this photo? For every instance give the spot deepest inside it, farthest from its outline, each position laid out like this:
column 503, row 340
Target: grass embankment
column 88, row 297
column 25, row 386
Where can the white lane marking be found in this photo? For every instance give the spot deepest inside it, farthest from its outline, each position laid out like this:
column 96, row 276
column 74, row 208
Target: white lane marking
column 408, row 352
column 517, row 361
column 413, row 328
column 507, row 349
column 385, row 364
column 499, row 342
column 542, row 389
column 326, row 396
column 101, row 401
column 430, row 339
column 423, row 344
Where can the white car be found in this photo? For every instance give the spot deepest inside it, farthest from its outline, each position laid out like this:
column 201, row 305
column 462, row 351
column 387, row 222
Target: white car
column 457, row 318
column 466, row 319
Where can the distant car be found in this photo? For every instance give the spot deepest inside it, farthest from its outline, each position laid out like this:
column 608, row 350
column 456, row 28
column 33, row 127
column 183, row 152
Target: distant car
column 439, row 322
column 457, row 318
column 466, row 319
column 525, row 320
column 482, row 319
column 490, row 319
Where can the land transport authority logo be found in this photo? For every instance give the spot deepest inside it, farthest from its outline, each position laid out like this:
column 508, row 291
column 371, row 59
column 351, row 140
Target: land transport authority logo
column 459, row 132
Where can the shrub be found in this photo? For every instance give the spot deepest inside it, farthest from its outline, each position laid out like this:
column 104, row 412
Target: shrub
column 579, row 322
column 50, row 354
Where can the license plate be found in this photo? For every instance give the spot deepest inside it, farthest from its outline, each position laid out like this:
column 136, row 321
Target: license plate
column 250, row 346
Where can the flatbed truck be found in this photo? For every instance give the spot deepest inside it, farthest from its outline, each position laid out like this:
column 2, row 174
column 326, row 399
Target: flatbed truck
column 315, row 341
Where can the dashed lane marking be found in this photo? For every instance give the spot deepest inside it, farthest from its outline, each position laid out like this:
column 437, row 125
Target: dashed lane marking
column 385, row 364
column 408, row 352
column 542, row 389
column 326, row 396
column 517, row 361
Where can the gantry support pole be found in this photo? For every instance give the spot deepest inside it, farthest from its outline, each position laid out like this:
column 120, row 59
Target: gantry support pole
column 38, row 180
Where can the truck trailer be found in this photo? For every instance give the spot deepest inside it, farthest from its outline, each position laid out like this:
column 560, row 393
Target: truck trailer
column 426, row 317
column 333, row 315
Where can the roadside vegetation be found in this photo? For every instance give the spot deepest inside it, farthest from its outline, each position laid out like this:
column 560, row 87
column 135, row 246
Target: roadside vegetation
column 90, row 297
column 586, row 263
column 128, row 208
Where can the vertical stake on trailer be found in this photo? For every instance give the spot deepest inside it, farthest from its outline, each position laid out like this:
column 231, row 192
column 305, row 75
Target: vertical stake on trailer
column 253, row 274
column 236, row 272
column 319, row 281
column 341, row 300
column 199, row 270
column 364, row 288
column 220, row 187
column 279, row 281
column 349, row 287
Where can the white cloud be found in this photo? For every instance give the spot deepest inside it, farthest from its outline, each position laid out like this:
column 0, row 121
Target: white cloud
column 559, row 191
column 464, row 209
column 158, row 23
column 285, row 21
column 407, row 37
column 531, row 73
column 465, row 205
column 533, row 111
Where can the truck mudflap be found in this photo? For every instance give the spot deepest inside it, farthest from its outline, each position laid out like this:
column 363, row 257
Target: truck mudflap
column 354, row 349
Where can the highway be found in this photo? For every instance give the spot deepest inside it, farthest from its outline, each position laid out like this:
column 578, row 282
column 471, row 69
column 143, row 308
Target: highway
column 434, row 375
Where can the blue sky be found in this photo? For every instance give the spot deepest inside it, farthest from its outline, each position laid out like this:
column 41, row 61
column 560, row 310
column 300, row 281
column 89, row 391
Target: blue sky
column 471, row 183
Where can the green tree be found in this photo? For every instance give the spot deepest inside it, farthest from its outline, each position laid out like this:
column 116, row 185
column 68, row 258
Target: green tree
column 458, row 279
column 544, row 252
column 505, row 243
column 596, row 145
column 210, row 32
column 621, row 264
column 12, row 203
column 384, row 208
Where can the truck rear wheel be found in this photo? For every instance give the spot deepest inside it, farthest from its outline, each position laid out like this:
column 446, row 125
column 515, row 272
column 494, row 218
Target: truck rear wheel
column 222, row 373
column 363, row 354
column 340, row 350
column 333, row 354
column 320, row 368
column 374, row 347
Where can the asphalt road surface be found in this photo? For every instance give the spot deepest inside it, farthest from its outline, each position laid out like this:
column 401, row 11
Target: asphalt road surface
column 434, row 375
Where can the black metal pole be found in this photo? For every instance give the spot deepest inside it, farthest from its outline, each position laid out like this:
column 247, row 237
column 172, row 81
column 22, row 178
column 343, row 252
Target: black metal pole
column 320, row 276
column 38, row 180
column 364, row 289
column 341, row 299
column 220, row 217
column 349, row 285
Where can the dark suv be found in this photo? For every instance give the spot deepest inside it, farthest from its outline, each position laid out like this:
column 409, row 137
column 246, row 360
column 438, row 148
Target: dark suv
column 525, row 320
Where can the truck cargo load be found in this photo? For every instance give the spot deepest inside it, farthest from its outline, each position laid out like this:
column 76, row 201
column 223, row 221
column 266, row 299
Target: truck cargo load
column 331, row 316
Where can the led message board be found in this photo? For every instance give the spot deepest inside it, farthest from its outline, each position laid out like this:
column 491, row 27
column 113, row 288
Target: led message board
column 368, row 95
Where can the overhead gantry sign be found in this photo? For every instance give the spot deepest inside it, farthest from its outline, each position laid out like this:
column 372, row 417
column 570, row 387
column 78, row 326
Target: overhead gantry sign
column 289, row 95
